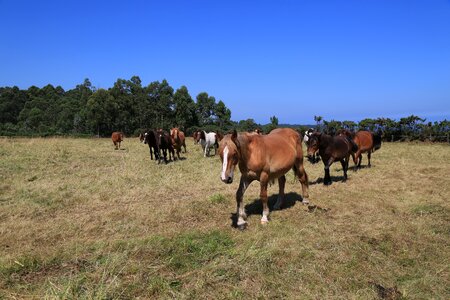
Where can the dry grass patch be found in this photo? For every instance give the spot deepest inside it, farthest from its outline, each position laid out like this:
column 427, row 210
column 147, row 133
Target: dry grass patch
column 81, row 220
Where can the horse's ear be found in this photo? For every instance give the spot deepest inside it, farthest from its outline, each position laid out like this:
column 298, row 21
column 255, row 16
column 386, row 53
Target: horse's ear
column 234, row 138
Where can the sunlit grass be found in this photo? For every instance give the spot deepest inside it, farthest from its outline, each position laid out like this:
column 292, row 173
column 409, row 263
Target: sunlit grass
column 79, row 219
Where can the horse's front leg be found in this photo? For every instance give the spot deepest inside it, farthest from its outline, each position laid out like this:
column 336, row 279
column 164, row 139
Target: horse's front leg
column 281, row 184
column 241, row 222
column 327, row 178
column 344, row 163
column 264, row 180
column 206, row 150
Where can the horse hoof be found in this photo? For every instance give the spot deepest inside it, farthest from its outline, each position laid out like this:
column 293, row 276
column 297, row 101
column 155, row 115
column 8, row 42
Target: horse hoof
column 305, row 201
column 242, row 226
column 327, row 183
column 264, row 222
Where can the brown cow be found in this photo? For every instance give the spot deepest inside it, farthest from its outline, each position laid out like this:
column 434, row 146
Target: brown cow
column 117, row 137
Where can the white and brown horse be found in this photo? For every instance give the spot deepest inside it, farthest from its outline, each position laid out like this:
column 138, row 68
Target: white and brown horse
column 263, row 158
column 208, row 140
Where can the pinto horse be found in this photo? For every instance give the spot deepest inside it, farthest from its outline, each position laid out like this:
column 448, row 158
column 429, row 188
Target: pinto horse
column 367, row 142
column 331, row 149
column 117, row 137
column 208, row 140
column 263, row 158
column 152, row 140
column 178, row 139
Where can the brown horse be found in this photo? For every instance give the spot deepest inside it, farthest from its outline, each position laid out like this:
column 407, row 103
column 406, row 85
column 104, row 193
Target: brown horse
column 195, row 137
column 263, row 158
column 165, row 145
column 366, row 141
column 331, row 149
column 117, row 137
column 178, row 140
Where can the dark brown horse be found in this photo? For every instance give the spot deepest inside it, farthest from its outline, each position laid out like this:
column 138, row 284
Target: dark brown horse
column 263, row 158
column 178, row 140
column 165, row 145
column 152, row 140
column 331, row 149
column 366, row 141
column 117, row 138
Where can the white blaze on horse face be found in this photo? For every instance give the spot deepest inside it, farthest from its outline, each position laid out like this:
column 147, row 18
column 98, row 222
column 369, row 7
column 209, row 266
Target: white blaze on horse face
column 225, row 163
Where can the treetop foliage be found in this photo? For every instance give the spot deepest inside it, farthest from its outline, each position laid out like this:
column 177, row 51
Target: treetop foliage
column 130, row 107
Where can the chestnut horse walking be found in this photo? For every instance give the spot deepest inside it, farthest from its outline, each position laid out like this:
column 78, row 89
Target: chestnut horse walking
column 366, row 141
column 331, row 149
column 178, row 140
column 263, row 158
column 117, row 137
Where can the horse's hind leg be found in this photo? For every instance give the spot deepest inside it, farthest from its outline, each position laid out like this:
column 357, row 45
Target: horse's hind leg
column 300, row 172
column 368, row 158
column 281, row 185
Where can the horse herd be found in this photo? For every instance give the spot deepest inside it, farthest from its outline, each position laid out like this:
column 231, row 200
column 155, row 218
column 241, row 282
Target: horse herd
column 267, row 157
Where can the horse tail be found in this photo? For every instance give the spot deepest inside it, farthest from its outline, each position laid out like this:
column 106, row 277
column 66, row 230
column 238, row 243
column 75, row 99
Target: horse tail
column 376, row 141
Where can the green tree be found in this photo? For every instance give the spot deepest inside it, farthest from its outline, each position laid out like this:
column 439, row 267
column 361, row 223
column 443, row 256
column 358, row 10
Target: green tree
column 184, row 108
column 101, row 110
column 223, row 114
column 205, row 109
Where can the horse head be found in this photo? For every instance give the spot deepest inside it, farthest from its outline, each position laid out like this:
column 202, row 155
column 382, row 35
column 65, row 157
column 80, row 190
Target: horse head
column 313, row 146
column 229, row 155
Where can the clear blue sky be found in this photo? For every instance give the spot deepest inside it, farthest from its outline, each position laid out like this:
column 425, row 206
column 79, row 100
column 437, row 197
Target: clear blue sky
column 343, row 60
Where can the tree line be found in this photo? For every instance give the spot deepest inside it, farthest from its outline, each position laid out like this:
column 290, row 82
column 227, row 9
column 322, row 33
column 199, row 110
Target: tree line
column 130, row 107
column 406, row 129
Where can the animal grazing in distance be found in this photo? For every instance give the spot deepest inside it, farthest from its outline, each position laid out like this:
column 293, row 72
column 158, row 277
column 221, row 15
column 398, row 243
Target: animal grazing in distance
column 366, row 141
column 331, row 149
column 117, row 138
column 263, row 158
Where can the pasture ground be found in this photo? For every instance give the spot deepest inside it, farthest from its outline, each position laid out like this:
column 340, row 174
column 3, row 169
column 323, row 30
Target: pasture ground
column 81, row 220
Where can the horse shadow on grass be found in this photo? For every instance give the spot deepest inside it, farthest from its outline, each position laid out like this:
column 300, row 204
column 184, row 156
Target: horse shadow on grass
column 333, row 179
column 255, row 208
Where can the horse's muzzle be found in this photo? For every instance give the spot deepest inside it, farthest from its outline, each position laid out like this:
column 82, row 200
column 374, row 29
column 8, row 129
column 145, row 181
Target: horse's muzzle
column 312, row 158
column 228, row 180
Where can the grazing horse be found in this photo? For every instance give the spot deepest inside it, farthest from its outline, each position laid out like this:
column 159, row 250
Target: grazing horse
column 331, row 149
column 152, row 140
column 117, row 137
column 263, row 158
column 367, row 142
column 208, row 140
column 178, row 140
column 165, row 144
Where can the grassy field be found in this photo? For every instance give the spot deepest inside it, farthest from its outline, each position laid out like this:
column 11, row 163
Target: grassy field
column 81, row 220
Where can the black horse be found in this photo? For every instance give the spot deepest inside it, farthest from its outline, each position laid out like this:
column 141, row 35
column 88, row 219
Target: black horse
column 152, row 140
column 331, row 149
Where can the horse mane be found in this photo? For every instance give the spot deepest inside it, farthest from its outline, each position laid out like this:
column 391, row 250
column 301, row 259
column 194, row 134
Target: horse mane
column 203, row 135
